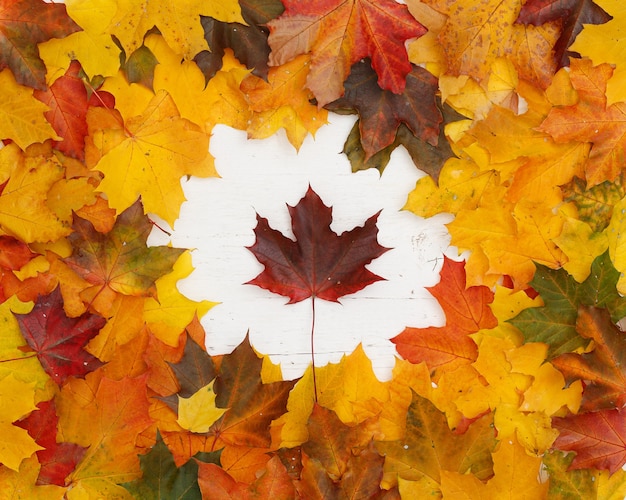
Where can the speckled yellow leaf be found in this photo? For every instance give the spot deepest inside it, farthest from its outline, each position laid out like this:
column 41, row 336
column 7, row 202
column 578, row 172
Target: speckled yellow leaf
column 198, row 412
column 23, row 209
column 21, row 115
column 149, row 159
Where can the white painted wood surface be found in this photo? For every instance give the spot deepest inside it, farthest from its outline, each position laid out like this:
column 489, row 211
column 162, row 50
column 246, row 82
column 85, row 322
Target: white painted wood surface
column 218, row 219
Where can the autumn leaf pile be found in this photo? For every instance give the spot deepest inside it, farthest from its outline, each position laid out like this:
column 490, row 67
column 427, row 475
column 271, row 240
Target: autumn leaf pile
column 515, row 109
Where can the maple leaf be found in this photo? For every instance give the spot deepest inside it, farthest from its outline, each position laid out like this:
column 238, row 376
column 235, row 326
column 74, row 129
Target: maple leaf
column 59, row 341
column 120, row 260
column 566, row 483
column 338, row 33
column 382, row 111
column 283, row 102
column 147, row 155
column 595, row 203
column 476, row 34
column 252, row 405
column 605, row 44
column 319, row 263
column 573, row 14
column 106, row 416
column 601, row 368
column 57, row 459
column 555, row 322
column 68, row 102
column 466, row 310
column 22, row 117
column 23, row 25
column 598, row 438
column 430, row 447
column 591, row 120
column 248, row 42
column 516, row 476
column 17, row 401
column 161, row 478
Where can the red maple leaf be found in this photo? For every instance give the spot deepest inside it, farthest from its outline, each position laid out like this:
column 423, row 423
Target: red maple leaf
column 57, row 459
column 68, row 102
column 598, row 438
column 338, row 33
column 319, row 263
column 59, row 340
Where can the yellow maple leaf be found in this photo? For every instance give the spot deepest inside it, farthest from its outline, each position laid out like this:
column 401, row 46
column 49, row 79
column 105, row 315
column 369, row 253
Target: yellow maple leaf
column 130, row 20
column 168, row 316
column 206, row 104
column 476, row 34
column 148, row 155
column 516, row 477
column 283, row 102
column 21, row 115
column 605, row 43
column 616, row 234
column 581, row 245
column 198, row 412
column 349, row 388
column 24, row 212
column 16, row 400
column 24, row 481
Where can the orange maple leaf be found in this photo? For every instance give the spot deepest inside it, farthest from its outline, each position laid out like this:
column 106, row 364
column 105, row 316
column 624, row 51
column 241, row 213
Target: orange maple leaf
column 338, row 33
column 467, row 311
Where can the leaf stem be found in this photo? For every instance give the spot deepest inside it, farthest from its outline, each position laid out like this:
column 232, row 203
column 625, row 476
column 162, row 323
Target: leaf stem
column 313, row 345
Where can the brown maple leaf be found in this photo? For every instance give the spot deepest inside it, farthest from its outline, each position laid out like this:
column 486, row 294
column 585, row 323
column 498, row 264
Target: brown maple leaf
column 338, row 33
column 319, row 263
column 382, row 111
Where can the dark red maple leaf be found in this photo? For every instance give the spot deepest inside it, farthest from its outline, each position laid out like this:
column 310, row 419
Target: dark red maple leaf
column 23, row 25
column 319, row 263
column 572, row 14
column 57, row 459
column 382, row 111
column 58, row 340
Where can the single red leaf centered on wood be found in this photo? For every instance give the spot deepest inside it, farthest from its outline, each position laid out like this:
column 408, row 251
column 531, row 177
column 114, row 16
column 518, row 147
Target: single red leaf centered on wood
column 338, row 33
column 467, row 311
column 598, row 438
column 57, row 460
column 319, row 263
column 58, row 340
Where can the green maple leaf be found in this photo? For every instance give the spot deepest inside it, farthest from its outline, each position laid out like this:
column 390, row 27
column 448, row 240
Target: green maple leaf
column 555, row 323
column 162, row 479
column 579, row 483
column 120, row 258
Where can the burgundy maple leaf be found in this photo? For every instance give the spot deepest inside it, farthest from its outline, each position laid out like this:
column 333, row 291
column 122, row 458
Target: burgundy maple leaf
column 58, row 340
column 319, row 263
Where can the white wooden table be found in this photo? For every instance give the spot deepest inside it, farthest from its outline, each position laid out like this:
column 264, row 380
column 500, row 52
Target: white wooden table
column 218, row 219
